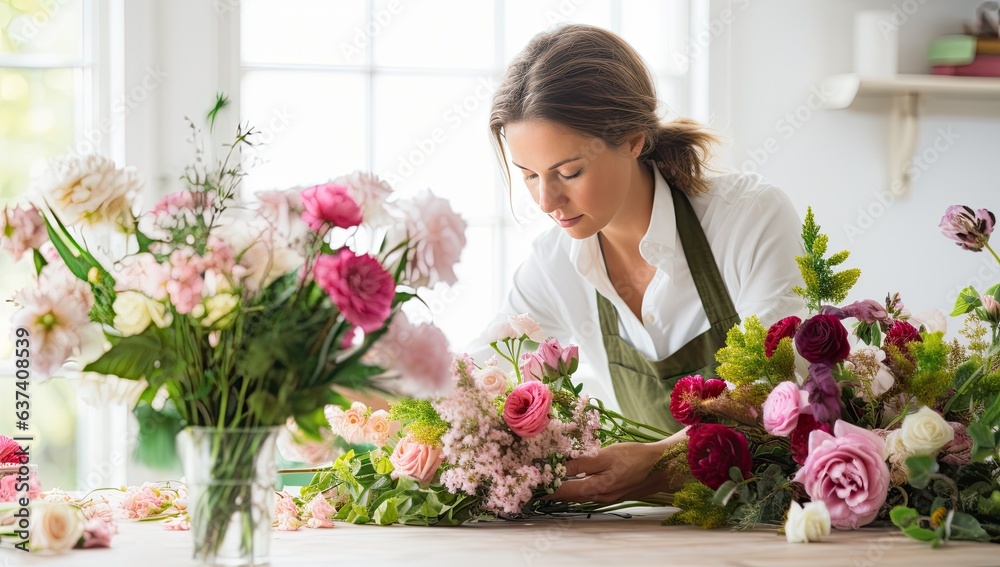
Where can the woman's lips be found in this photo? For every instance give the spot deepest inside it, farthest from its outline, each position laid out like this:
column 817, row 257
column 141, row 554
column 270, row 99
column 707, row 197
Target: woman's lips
column 568, row 222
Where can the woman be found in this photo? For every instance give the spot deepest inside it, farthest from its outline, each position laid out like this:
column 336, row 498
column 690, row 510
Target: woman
column 651, row 261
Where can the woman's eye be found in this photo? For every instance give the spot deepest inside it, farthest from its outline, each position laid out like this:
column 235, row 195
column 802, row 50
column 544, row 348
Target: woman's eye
column 573, row 176
column 530, row 177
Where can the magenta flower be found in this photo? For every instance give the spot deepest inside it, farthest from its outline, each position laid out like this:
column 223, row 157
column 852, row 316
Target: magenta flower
column 360, row 287
column 329, row 205
column 526, row 410
column 969, row 229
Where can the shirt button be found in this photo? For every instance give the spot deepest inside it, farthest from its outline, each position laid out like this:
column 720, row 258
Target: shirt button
column 649, row 318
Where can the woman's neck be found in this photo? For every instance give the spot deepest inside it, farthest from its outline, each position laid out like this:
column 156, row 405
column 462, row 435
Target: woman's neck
column 624, row 233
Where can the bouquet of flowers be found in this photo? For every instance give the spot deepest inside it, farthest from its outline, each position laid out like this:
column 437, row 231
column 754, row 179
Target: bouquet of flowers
column 246, row 315
column 493, row 446
column 901, row 425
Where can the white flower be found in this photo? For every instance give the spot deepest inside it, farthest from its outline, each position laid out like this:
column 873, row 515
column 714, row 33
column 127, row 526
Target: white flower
column 134, row 312
column 217, row 308
column 141, row 272
column 500, row 330
column 268, row 246
column 437, row 237
column 370, row 193
column 932, row 320
column 55, row 526
column 492, row 380
column 90, row 189
column 523, row 324
column 883, row 379
column 808, row 523
column 925, row 432
column 897, row 452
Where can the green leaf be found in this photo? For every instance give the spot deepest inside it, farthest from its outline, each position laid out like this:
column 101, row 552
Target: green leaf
column 921, row 467
column 736, row 474
column 387, row 513
column 903, row 517
column 967, row 300
column 724, row 493
column 134, row 358
column 993, row 290
column 990, row 506
column 40, row 261
column 983, row 440
column 965, row 527
column 265, row 406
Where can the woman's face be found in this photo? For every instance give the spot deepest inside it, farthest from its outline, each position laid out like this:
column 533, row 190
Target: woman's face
column 578, row 180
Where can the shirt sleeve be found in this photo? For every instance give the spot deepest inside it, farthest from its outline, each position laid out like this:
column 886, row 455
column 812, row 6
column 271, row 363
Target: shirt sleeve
column 770, row 241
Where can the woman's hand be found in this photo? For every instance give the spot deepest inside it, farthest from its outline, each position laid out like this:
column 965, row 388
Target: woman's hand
column 617, row 473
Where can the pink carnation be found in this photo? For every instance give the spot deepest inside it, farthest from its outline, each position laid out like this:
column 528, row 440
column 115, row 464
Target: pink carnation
column 9, row 484
column 360, row 287
column 22, row 229
column 8, row 450
column 329, row 205
column 142, row 501
column 437, row 237
column 417, row 353
column 98, row 533
column 847, row 471
column 526, row 410
column 321, row 513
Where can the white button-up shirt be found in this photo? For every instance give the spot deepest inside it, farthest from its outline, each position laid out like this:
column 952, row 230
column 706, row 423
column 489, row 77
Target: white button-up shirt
column 754, row 233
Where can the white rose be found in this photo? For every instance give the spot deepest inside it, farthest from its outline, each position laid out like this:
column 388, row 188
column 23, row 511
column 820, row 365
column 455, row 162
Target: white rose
column 523, row 324
column 134, row 312
column 926, row 432
column 932, row 320
column 809, row 523
column 55, row 526
column 492, row 380
column 499, row 331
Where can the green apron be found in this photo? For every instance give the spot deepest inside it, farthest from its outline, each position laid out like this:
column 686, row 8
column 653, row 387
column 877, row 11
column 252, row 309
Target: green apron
column 643, row 386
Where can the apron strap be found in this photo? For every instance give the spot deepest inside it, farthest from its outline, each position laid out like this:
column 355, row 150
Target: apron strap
column 715, row 299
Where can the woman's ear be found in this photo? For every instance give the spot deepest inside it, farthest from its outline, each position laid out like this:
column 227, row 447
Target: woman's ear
column 636, row 142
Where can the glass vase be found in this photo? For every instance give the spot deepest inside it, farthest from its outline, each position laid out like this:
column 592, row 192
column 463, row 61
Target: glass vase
column 230, row 477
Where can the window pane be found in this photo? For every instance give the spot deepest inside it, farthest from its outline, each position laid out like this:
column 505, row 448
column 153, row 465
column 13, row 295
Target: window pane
column 36, row 123
column 525, row 18
column 442, row 34
column 433, row 132
column 313, row 126
column 42, row 26
column 317, row 32
column 658, row 31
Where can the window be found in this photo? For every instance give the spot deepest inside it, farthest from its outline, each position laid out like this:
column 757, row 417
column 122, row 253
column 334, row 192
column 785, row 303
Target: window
column 51, row 92
column 403, row 88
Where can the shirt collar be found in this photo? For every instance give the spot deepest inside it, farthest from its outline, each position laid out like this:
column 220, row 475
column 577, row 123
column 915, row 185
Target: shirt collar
column 658, row 246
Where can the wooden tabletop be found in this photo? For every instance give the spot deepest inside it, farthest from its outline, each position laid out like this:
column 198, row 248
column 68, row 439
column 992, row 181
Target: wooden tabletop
column 599, row 540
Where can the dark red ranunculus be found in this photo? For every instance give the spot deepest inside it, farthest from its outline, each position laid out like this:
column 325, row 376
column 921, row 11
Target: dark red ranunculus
column 901, row 333
column 822, row 338
column 713, row 449
column 784, row 328
column 690, row 388
column 800, row 436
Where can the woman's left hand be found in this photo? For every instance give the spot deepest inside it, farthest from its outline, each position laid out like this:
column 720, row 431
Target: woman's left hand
column 617, row 473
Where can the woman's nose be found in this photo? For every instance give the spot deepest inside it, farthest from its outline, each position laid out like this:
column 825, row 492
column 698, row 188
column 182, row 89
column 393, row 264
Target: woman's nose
column 550, row 197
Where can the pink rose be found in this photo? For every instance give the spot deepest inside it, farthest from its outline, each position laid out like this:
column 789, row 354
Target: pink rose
column 531, row 367
column 847, row 471
column 781, row 409
column 492, row 380
column 321, row 511
column 526, row 410
column 415, row 461
column 329, row 204
column 569, row 359
column 360, row 287
column 97, row 532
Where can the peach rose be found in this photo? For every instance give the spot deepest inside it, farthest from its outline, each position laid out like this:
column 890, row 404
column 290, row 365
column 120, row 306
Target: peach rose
column 415, row 461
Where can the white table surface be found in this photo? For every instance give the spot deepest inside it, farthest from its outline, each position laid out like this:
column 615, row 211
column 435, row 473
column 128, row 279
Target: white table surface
column 600, row 540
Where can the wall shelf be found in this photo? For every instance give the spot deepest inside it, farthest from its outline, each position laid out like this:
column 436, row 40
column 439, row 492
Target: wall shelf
column 841, row 91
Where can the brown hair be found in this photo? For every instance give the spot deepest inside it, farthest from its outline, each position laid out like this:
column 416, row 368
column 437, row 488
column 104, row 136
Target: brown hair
column 591, row 80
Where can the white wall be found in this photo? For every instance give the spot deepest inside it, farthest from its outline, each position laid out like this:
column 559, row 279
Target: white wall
column 763, row 65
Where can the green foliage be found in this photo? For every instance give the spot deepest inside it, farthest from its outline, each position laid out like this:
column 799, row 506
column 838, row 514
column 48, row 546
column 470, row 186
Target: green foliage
column 921, row 469
column 422, row 421
column 932, row 378
column 990, row 506
column 823, row 284
column 697, row 508
column 908, row 520
column 365, row 493
column 744, row 362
